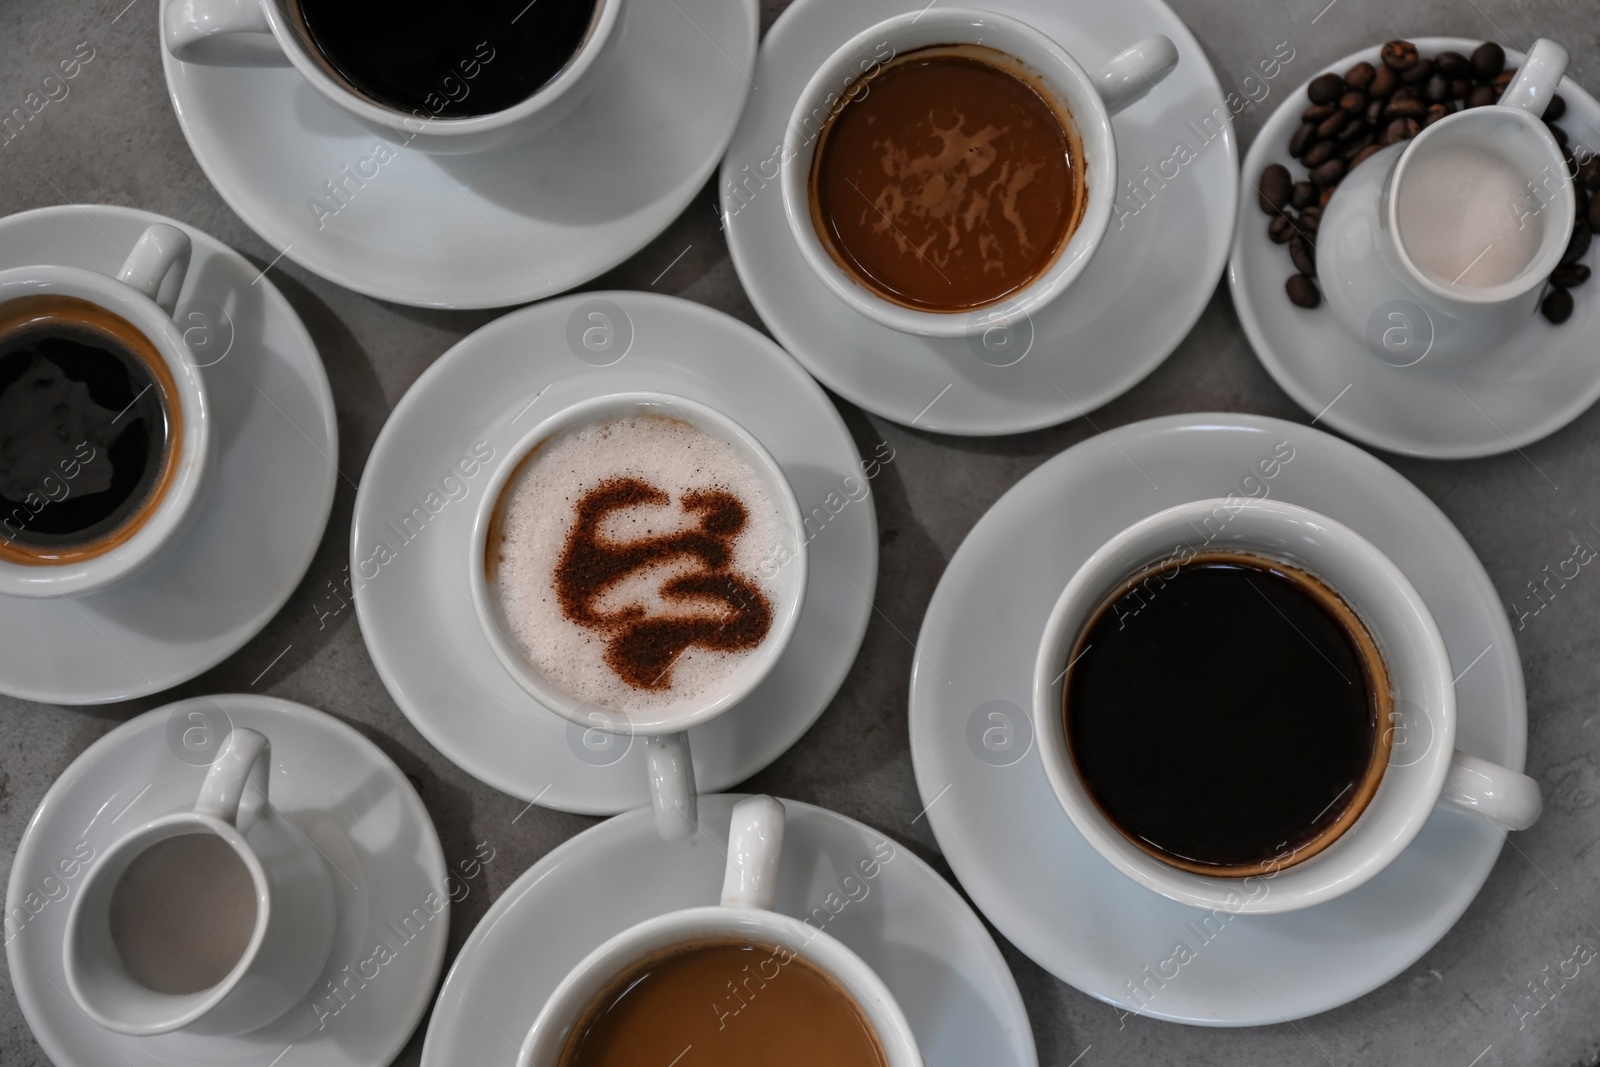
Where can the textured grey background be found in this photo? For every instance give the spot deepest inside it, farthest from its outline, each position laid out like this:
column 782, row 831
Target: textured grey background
column 115, row 140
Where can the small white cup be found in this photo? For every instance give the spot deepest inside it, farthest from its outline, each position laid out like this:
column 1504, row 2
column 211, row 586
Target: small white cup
column 187, row 23
column 1090, row 100
column 1374, row 286
column 755, row 843
column 1394, row 614
column 131, row 295
column 669, row 765
column 288, row 946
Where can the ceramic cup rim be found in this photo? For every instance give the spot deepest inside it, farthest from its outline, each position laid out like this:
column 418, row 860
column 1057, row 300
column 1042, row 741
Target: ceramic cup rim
column 1055, row 69
column 138, row 840
column 688, row 926
column 171, row 514
column 1416, row 657
column 786, row 613
column 1539, row 268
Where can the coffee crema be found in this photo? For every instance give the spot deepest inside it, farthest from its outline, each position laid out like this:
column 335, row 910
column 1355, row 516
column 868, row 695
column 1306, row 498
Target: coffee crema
column 948, row 180
column 634, row 560
column 91, row 430
column 723, row 1004
column 1228, row 715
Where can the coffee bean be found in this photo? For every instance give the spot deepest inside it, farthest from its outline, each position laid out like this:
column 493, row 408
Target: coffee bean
column 1280, row 229
column 1304, row 194
column 1272, row 191
column 1399, row 55
column 1302, row 291
column 1305, row 261
column 1460, row 88
column 1318, row 154
column 1435, row 113
column 1328, row 173
column 1310, row 221
column 1589, row 173
column 1557, row 307
column 1593, row 217
column 1405, row 109
column 1317, row 112
column 1325, row 88
column 1453, row 65
column 1576, row 248
column 1482, row 96
column 1419, row 73
column 1570, row 276
column 1558, row 133
column 1330, row 126
column 1383, row 84
column 1364, row 155
column 1302, row 139
column 1355, row 145
column 1555, row 109
column 1398, row 130
column 1503, row 80
column 1374, row 114
column 1488, row 60
column 1327, row 194
column 1360, row 76
column 1437, row 89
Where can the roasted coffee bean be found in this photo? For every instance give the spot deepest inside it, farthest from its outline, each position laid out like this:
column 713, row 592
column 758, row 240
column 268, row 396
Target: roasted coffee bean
column 1354, row 102
column 1280, row 229
column 1374, row 113
column 1557, row 307
column 1488, row 60
column 1593, row 216
column 1399, row 56
column 1304, row 194
column 1576, row 248
column 1351, row 131
column 1503, row 80
column 1327, row 194
column 1317, row 112
column 1272, row 191
column 1570, row 276
column 1360, row 76
column 1364, row 155
column 1301, row 139
column 1302, row 291
column 1435, row 113
column 1589, row 173
column 1384, row 83
column 1558, row 133
column 1399, row 130
column 1330, row 126
column 1460, row 88
column 1482, row 96
column 1405, row 109
column 1301, row 255
column 1328, row 173
column 1310, row 221
column 1419, row 73
column 1325, row 88
column 1453, row 65
column 1555, row 109
column 1437, row 89
column 1318, row 154
column 1357, row 144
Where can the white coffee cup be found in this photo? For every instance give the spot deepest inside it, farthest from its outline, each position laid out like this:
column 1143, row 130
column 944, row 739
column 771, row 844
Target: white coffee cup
column 162, row 250
column 1419, row 668
column 1090, row 100
column 294, row 922
column 755, row 843
column 1373, row 283
column 189, row 23
column 664, row 730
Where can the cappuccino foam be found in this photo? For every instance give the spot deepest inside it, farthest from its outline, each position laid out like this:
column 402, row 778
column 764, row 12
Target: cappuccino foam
column 1467, row 218
column 540, row 516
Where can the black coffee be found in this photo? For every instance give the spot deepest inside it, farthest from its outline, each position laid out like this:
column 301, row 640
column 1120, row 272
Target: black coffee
column 86, row 422
column 1225, row 714
column 446, row 59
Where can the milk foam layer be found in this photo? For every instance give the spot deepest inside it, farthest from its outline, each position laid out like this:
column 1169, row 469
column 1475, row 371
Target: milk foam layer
column 1467, row 217
column 537, row 517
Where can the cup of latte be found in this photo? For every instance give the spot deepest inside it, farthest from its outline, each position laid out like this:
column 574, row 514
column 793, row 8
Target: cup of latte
column 738, row 983
column 1244, row 705
column 638, row 565
column 442, row 78
column 105, row 434
column 950, row 170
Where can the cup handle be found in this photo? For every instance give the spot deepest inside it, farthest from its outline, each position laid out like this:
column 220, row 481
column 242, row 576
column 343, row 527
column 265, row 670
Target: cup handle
column 187, row 21
column 243, row 762
column 1135, row 71
column 672, row 788
column 1537, row 79
column 1510, row 800
column 755, row 845
column 159, row 250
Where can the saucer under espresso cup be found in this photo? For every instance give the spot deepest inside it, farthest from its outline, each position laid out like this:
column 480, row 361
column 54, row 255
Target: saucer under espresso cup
column 1391, row 798
column 188, row 24
column 281, row 904
column 63, row 323
column 1415, row 285
column 781, row 570
column 745, row 916
column 1083, row 103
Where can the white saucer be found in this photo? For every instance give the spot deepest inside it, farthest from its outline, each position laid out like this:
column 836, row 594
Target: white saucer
column 995, row 815
column 338, row 789
column 1144, row 290
column 1542, row 379
column 489, row 230
column 417, row 614
column 907, row 924
column 279, row 446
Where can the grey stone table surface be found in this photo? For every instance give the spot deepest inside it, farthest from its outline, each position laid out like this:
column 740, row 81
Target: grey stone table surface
column 114, row 140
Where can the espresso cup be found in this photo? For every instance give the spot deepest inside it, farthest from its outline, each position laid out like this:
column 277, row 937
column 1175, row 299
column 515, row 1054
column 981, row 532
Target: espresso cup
column 669, row 764
column 287, row 946
column 177, row 494
column 1420, row 683
column 188, row 24
column 1087, row 100
column 755, row 844
column 1368, row 258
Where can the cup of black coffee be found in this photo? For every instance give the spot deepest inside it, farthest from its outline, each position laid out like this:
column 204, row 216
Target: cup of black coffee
column 442, row 78
column 105, row 441
column 1244, row 705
